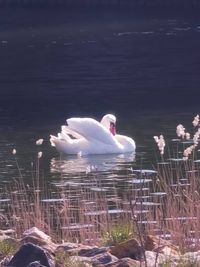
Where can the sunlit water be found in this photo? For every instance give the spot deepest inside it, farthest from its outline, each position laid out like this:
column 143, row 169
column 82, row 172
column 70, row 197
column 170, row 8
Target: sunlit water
column 144, row 70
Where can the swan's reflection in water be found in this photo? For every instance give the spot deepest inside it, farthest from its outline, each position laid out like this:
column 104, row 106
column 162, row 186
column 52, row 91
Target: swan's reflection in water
column 98, row 163
column 99, row 188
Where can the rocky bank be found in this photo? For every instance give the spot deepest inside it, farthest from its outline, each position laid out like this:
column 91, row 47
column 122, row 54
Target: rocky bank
column 36, row 249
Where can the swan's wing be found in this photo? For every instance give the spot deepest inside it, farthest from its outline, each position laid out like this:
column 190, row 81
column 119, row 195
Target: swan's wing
column 67, row 130
column 91, row 129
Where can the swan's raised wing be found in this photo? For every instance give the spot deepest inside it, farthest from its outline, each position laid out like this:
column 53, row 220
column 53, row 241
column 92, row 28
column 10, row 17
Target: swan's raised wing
column 67, row 130
column 91, row 129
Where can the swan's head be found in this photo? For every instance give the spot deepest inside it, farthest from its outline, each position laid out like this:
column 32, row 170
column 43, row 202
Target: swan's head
column 109, row 121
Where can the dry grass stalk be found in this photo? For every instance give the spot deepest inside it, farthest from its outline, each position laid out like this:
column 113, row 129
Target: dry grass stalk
column 82, row 215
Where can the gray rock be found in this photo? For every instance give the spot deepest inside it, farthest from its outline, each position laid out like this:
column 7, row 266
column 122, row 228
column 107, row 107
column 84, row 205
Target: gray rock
column 92, row 252
column 39, row 238
column 155, row 259
column 34, row 231
column 103, row 258
column 124, row 262
column 36, row 264
column 80, row 250
column 80, row 261
column 27, row 254
column 67, row 246
column 5, row 261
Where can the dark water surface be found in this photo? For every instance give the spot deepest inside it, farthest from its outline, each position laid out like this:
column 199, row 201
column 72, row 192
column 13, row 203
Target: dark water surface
column 58, row 63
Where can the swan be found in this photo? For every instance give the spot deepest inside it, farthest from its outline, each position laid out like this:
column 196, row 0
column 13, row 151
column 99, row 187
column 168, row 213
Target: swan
column 83, row 136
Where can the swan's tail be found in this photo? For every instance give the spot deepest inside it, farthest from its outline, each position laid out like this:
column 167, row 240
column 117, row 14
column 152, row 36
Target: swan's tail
column 61, row 137
column 53, row 140
column 67, row 130
column 65, row 144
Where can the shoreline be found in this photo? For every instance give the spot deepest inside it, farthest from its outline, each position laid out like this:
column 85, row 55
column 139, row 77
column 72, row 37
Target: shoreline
column 36, row 248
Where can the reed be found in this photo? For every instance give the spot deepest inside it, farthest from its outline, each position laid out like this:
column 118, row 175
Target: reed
column 87, row 213
column 179, row 178
column 76, row 214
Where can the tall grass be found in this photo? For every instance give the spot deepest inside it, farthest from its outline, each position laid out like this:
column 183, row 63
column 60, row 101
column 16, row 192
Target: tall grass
column 79, row 214
column 179, row 178
column 76, row 214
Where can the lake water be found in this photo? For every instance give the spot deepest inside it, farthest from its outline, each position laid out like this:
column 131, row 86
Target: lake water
column 57, row 63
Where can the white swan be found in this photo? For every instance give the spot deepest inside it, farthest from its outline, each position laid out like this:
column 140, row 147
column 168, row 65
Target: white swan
column 87, row 136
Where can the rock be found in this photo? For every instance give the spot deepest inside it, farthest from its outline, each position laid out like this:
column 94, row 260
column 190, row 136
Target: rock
column 191, row 257
column 125, row 262
column 80, row 261
column 34, row 231
column 155, row 259
column 63, row 256
column 103, row 258
column 39, row 238
column 187, row 259
column 91, row 252
column 29, row 253
column 81, row 250
column 127, row 249
column 67, row 246
column 7, row 232
column 125, row 254
column 150, row 243
column 5, row 261
column 36, row 264
column 153, row 243
column 94, row 255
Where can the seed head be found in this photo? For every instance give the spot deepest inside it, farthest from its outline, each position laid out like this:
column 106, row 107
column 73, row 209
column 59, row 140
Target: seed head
column 196, row 121
column 187, row 136
column 39, row 154
column 180, row 131
column 160, row 142
column 188, row 151
column 39, row 142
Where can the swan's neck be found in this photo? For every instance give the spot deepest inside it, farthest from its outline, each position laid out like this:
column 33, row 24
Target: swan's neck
column 112, row 129
column 108, row 124
column 105, row 123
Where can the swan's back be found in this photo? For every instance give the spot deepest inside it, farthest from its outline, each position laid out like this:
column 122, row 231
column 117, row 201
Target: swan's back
column 127, row 142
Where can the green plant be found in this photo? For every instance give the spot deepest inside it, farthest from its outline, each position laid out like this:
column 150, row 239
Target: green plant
column 118, row 233
column 165, row 264
column 181, row 263
column 7, row 248
column 188, row 263
column 63, row 259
